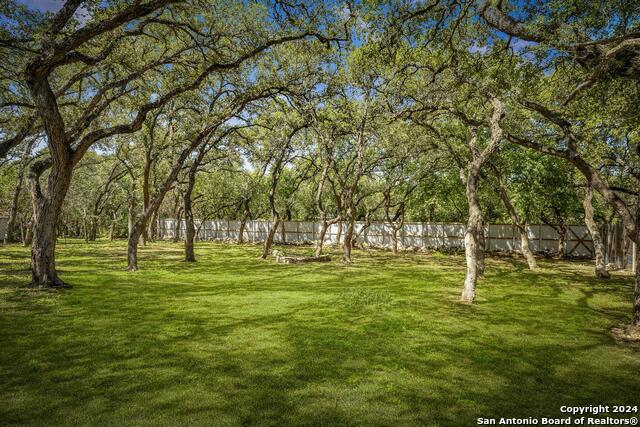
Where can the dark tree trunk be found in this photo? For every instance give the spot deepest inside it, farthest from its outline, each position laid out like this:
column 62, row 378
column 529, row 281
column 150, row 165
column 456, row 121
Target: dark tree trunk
column 46, row 210
column 93, row 229
column 190, row 229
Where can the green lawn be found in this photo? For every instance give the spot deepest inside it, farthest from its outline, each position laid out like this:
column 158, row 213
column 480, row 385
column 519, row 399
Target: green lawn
column 233, row 340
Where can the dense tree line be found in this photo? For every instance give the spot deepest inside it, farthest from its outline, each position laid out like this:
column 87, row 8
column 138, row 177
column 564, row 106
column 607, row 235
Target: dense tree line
column 398, row 111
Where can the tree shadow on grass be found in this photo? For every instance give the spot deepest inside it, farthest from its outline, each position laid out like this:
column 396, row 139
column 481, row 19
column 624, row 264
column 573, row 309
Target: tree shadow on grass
column 234, row 341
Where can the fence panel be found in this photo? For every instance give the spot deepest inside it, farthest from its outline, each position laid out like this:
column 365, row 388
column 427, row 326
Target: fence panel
column 499, row 237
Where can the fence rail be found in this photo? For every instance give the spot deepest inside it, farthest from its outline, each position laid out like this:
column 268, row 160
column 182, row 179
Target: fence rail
column 499, row 237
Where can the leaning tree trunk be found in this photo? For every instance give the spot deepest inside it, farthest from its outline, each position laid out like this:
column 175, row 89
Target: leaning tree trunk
column 515, row 219
column 601, row 269
column 268, row 242
column 525, row 248
column 46, row 210
column 323, row 232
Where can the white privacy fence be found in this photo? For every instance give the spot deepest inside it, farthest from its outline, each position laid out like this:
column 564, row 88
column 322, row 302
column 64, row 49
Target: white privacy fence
column 499, row 237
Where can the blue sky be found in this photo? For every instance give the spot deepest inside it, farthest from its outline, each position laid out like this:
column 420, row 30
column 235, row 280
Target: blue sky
column 53, row 6
column 43, row 5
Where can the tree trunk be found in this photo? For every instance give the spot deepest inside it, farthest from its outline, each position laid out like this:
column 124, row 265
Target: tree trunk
column 28, row 235
column 131, row 214
column 283, row 233
column 394, row 239
column 348, row 236
column 9, row 236
column 562, row 232
column 481, row 247
column 472, row 245
column 526, row 249
column 190, row 233
column 132, row 247
column 177, row 226
column 324, row 226
column 153, row 226
column 268, row 242
column 601, row 269
column 474, row 240
column 515, row 219
column 46, row 210
column 93, row 229
column 243, row 222
column 112, row 227
column 146, row 196
column 190, row 230
column 339, row 233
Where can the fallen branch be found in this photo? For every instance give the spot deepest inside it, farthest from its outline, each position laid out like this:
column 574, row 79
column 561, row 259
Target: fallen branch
column 283, row 259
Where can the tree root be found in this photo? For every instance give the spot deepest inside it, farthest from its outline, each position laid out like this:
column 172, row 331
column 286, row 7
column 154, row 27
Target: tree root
column 627, row 334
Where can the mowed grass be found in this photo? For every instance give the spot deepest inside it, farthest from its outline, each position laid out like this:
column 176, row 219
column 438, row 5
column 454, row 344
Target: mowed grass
column 234, row 340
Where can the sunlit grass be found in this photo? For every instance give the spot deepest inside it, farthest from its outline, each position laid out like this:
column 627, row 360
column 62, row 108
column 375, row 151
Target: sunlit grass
column 235, row 340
